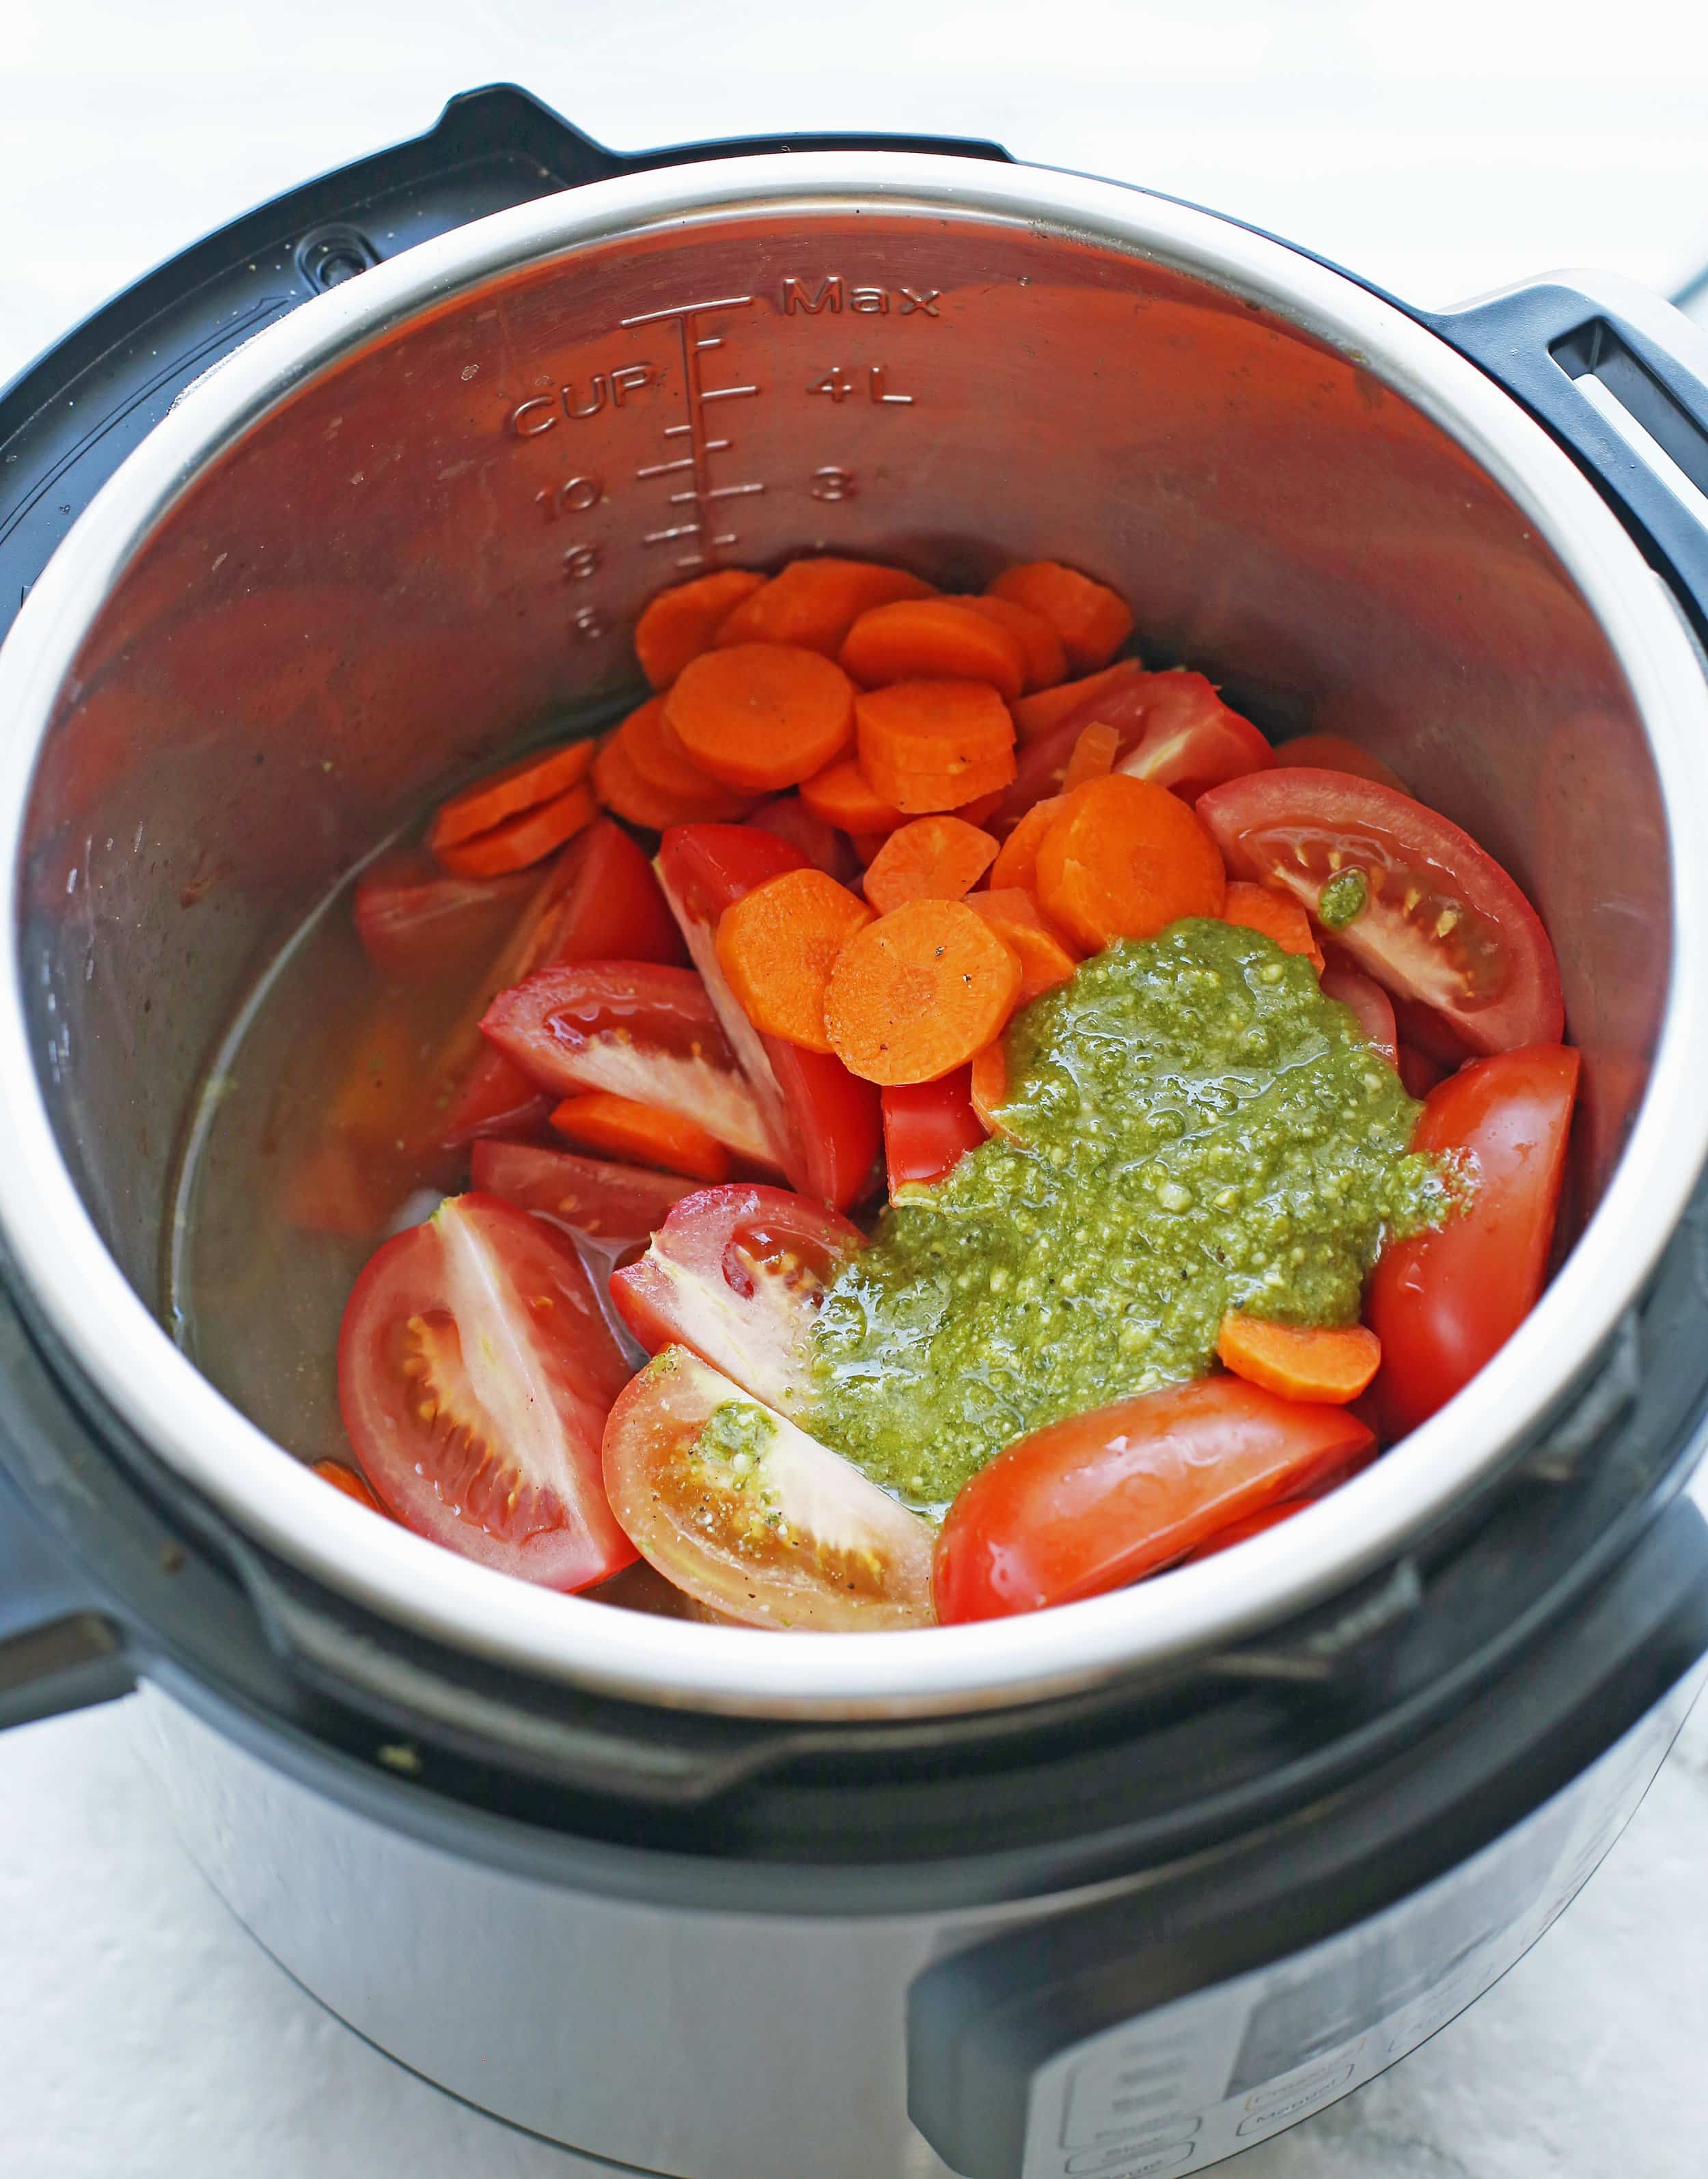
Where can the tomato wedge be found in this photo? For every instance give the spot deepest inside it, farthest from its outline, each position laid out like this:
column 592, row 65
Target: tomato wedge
column 823, row 1121
column 927, row 1125
column 826, row 848
column 414, row 922
column 1103, row 1499
column 475, row 1371
column 1440, row 922
column 737, row 1273
column 637, row 1030
column 1442, row 1303
column 1365, row 999
column 620, row 1206
column 749, row 1515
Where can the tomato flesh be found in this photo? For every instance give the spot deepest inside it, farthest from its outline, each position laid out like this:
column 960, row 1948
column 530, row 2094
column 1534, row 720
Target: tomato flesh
column 824, row 846
column 737, row 1274
column 782, row 1532
column 415, row 921
column 618, row 1206
column 1100, row 1500
column 1443, row 1302
column 927, row 1126
column 476, row 1372
column 1442, row 923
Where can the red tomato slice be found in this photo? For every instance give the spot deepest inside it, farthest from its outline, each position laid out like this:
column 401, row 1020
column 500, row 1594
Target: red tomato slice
column 823, row 846
column 1442, row 1303
column 620, row 1206
column 1418, row 1075
column 1103, row 1499
column 756, row 1519
column 1366, row 1000
column 416, row 922
column 737, row 1273
column 823, row 1121
column 475, row 1371
column 1443, row 924
column 926, row 1127
column 637, row 1030
column 599, row 902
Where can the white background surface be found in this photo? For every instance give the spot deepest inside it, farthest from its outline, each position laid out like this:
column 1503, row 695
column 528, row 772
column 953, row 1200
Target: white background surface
column 1442, row 150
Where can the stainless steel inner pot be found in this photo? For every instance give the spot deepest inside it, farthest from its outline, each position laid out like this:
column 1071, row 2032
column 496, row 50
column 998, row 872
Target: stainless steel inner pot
column 415, row 520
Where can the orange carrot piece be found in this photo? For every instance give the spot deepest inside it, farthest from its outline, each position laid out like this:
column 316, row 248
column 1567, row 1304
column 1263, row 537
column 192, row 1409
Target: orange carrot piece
column 1092, row 620
column 1036, row 716
column 681, row 621
column 1125, row 858
column 928, row 745
column 933, row 639
column 761, row 716
column 1277, row 915
column 919, row 992
column 1093, row 756
column 1016, row 860
column 541, row 778
column 347, row 1480
column 988, row 1086
column 980, row 807
column 776, row 946
column 1046, row 661
column 814, row 603
column 843, row 795
column 1335, row 752
column 521, row 840
column 651, row 745
column 1020, row 923
column 940, row 858
column 626, row 794
column 641, row 1135
column 1299, row 1362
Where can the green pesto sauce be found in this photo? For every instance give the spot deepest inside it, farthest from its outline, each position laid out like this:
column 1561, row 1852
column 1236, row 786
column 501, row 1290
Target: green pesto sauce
column 735, row 1427
column 1196, row 1129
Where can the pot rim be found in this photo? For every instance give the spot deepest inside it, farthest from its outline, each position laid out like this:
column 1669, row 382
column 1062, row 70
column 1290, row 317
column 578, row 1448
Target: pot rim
column 127, row 1353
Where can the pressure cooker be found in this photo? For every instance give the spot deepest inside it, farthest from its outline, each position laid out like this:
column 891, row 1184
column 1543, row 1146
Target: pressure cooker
column 357, row 492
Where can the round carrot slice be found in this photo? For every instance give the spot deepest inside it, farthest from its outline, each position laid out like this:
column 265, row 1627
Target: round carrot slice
column 541, row 778
column 1020, row 923
column 776, row 946
column 1299, row 1362
column 1277, row 915
column 933, row 639
column 843, row 795
column 1046, row 659
column 814, row 603
column 1092, row 620
column 928, row 745
column 650, row 745
column 1017, row 860
column 761, row 716
column 680, row 623
column 626, row 794
column 988, row 1087
column 1036, row 716
column 940, row 858
column 1125, row 858
column 642, row 1134
column 919, row 993
column 520, row 840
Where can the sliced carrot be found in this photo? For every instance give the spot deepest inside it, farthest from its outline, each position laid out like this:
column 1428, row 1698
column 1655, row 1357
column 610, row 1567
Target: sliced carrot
column 1036, row 714
column 921, row 990
column 761, row 716
column 1093, row 756
column 940, row 858
column 1019, row 922
column 928, row 745
column 1125, row 858
column 1046, row 661
column 988, row 1084
column 1092, row 620
column 1335, row 752
column 642, row 1134
column 520, row 841
column 980, row 807
column 537, row 779
column 933, row 639
column 626, row 794
column 650, row 745
column 1277, row 915
column 776, row 946
column 1299, row 1362
column 1017, row 860
column 347, row 1480
column 843, row 795
column 680, row 623
column 814, row 603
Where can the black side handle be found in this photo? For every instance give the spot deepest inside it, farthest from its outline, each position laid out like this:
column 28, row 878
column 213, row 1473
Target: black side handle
column 69, row 420
column 1543, row 344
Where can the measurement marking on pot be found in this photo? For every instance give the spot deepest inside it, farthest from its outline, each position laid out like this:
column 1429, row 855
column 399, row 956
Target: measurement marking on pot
column 699, row 533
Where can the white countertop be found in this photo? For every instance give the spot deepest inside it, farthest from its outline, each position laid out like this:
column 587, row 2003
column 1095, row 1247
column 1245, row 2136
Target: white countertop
column 1442, row 152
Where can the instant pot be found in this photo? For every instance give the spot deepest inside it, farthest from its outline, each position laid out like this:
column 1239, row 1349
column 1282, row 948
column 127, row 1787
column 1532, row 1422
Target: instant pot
column 370, row 485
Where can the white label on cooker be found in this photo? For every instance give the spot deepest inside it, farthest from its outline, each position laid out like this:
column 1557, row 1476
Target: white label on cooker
column 1179, row 2088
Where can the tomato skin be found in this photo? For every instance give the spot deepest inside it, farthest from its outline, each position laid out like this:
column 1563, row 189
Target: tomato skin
column 824, row 846
column 476, row 1372
column 735, row 1274
column 620, row 1206
column 1490, row 971
column 927, row 1125
column 1100, row 1500
column 416, row 922
column 824, row 1123
column 1442, row 1303
column 1366, row 1001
